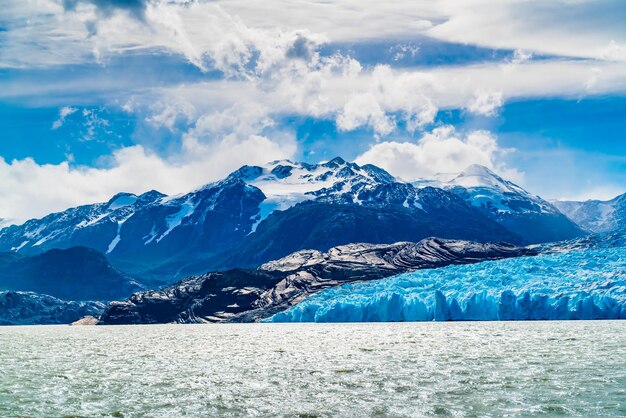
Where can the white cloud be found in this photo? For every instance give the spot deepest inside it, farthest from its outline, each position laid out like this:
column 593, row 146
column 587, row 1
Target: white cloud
column 274, row 61
column 242, row 119
column 485, row 103
column 341, row 90
column 94, row 123
column 167, row 114
column 64, row 112
column 33, row 190
column 521, row 57
column 614, row 51
column 567, row 28
column 229, row 35
column 441, row 151
column 269, row 53
column 364, row 109
column 403, row 50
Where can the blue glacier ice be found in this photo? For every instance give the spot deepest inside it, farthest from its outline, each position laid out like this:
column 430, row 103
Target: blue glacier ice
column 582, row 281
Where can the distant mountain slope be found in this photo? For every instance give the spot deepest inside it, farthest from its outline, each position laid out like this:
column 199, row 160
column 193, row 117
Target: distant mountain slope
column 259, row 213
column 27, row 308
column 76, row 273
column 527, row 215
column 596, row 215
column 320, row 226
column 248, row 295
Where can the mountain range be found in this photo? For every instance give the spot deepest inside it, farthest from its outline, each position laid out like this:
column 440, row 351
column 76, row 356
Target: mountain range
column 262, row 213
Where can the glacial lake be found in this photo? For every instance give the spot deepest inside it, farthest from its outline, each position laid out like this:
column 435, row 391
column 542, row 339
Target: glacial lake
column 386, row 369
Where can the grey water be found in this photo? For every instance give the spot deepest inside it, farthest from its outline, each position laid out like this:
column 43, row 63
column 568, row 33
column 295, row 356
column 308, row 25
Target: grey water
column 386, row 369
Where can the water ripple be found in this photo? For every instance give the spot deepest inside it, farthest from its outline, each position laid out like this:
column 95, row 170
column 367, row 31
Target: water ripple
column 284, row 370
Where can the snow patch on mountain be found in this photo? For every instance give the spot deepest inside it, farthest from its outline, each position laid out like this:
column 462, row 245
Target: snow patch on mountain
column 118, row 237
column 477, row 175
column 92, row 220
column 173, row 221
column 285, row 183
column 122, row 199
column 19, row 247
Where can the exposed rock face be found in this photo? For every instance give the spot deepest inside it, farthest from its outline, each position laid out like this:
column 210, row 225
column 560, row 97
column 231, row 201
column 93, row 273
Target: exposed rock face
column 250, row 295
column 27, row 308
column 211, row 297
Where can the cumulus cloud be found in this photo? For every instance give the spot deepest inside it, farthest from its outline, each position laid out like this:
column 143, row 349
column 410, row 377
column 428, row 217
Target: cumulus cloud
column 64, row 112
column 485, row 103
column 520, row 56
column 441, row 151
column 210, row 38
column 614, row 51
column 384, row 95
column 167, row 114
column 271, row 65
column 364, row 109
column 340, row 89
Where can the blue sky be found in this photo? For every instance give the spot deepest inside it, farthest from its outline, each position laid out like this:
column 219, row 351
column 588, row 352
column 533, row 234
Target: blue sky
column 99, row 96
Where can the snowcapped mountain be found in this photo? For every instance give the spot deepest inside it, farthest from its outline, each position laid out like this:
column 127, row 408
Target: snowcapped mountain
column 285, row 183
column 341, row 202
column 72, row 225
column 260, row 213
column 523, row 213
column 141, row 233
column 596, row 215
column 485, row 189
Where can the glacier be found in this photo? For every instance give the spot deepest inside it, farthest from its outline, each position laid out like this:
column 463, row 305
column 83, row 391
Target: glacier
column 586, row 280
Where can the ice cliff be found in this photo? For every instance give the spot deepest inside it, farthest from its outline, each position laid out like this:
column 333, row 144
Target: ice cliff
column 582, row 281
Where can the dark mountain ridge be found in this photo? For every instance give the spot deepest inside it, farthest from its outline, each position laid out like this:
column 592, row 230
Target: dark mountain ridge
column 76, row 273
